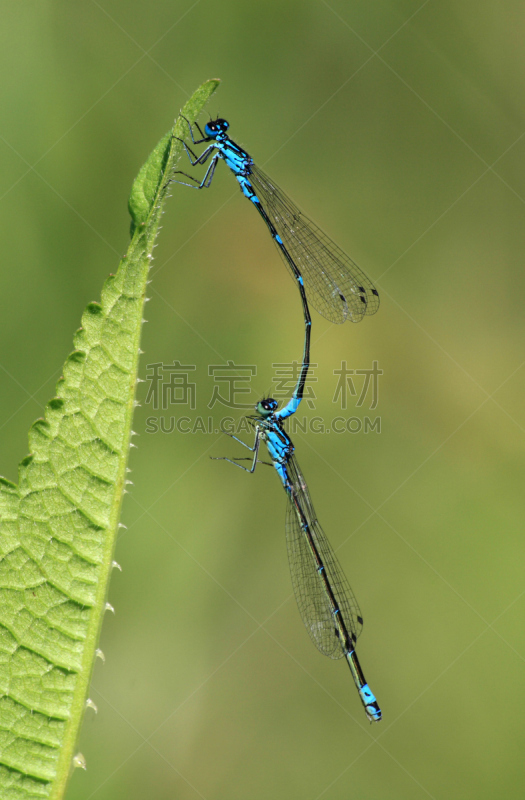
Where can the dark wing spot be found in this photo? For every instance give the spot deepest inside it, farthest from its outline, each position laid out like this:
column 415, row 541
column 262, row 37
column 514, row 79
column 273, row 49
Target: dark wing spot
column 374, row 291
column 361, row 289
column 363, row 299
column 360, row 620
column 343, row 298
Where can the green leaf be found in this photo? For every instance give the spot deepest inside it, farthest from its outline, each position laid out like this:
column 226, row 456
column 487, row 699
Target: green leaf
column 58, row 526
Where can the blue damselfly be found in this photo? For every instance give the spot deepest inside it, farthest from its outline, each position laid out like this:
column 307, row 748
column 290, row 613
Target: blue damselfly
column 326, row 602
column 331, row 281
column 334, row 284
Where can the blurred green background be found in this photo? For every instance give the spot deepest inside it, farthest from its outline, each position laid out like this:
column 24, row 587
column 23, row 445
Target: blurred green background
column 399, row 128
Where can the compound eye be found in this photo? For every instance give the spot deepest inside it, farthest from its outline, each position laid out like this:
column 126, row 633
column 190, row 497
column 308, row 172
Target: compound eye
column 266, row 406
column 270, row 404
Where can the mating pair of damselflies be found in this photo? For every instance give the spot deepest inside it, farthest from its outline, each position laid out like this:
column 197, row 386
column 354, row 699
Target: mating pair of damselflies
column 339, row 290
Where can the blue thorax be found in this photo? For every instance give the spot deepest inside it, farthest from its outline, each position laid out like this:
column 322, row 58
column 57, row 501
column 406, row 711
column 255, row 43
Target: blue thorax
column 238, row 160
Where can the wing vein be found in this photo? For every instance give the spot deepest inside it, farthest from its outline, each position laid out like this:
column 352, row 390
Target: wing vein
column 310, row 592
column 334, row 284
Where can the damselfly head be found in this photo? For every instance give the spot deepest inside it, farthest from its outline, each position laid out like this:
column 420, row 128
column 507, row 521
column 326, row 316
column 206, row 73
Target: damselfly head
column 215, row 127
column 266, row 406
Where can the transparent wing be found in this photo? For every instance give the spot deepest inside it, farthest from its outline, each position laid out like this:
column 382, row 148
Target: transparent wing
column 334, row 284
column 315, row 605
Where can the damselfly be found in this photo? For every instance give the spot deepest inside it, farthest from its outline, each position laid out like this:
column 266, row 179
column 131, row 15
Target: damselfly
column 334, row 284
column 326, row 602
